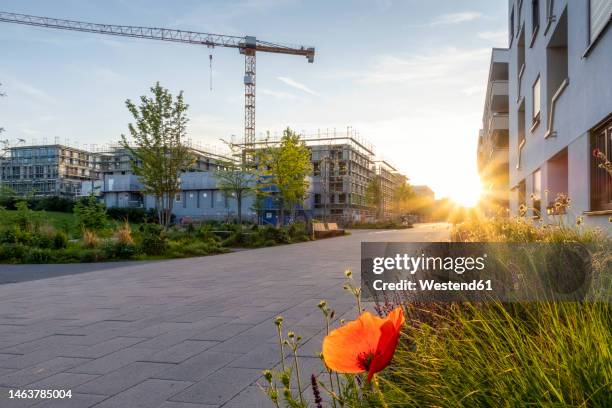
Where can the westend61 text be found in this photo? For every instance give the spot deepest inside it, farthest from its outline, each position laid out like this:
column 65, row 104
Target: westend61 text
column 432, row 285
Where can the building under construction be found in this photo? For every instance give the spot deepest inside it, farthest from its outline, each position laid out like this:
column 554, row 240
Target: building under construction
column 45, row 170
column 344, row 165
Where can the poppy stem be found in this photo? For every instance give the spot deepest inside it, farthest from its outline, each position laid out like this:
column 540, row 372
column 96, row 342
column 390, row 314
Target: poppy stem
column 297, row 371
column 280, row 343
column 377, row 389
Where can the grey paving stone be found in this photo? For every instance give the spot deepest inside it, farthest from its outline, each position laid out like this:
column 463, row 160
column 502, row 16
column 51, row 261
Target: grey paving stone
column 182, row 351
column 121, row 379
column 6, row 402
column 263, row 356
column 76, row 401
column 157, row 329
column 113, row 361
column 241, row 343
column 39, row 371
column 173, row 404
column 63, row 381
column 123, row 315
column 147, row 394
column 198, row 367
column 219, row 388
column 100, row 349
column 251, row 397
column 221, row 333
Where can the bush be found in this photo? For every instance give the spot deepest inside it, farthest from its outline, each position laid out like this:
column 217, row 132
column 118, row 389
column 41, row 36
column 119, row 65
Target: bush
column 92, row 255
column 123, row 235
column 12, row 253
column 90, row 239
column 60, row 240
column 133, row 215
column 118, row 250
column 35, row 255
column 52, row 203
column 197, row 248
column 41, row 240
column 26, row 219
column 90, row 214
column 15, row 235
column 153, row 239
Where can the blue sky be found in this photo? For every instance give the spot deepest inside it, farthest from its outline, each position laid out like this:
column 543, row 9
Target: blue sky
column 408, row 75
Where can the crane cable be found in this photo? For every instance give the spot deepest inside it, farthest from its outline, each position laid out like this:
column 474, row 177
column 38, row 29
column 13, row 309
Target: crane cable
column 211, row 71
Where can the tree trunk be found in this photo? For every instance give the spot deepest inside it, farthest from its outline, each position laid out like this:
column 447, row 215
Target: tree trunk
column 239, row 206
column 169, row 211
column 159, row 208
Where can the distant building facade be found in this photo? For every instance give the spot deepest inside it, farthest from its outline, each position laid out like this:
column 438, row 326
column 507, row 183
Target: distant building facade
column 493, row 154
column 560, row 108
column 47, row 170
column 198, row 198
column 424, row 191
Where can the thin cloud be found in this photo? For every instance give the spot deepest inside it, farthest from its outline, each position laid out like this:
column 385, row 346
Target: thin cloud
column 276, row 94
column 495, row 37
column 297, row 85
column 456, row 18
column 33, row 92
column 441, row 66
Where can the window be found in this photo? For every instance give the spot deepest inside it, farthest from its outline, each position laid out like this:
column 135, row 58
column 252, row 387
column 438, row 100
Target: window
column 177, row 197
column 601, row 180
column 536, row 101
column 600, row 12
column 535, row 16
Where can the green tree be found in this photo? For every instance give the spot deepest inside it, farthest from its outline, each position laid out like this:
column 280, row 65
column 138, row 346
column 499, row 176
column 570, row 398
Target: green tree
column 401, row 197
column 90, row 213
column 237, row 180
column 374, row 195
column 159, row 154
column 286, row 166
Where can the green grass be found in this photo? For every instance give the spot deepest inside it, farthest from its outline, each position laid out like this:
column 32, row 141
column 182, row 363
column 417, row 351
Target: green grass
column 59, row 220
column 544, row 354
column 553, row 354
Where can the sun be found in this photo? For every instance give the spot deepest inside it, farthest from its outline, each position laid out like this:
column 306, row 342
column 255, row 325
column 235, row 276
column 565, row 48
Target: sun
column 466, row 194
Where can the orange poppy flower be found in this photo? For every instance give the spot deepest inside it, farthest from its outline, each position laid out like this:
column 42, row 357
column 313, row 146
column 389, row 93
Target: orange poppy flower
column 365, row 344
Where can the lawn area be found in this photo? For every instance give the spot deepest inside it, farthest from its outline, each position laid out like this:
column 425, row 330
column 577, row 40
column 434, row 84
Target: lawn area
column 59, row 220
column 28, row 236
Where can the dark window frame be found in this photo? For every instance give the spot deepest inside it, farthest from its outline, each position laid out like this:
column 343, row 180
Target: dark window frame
column 601, row 181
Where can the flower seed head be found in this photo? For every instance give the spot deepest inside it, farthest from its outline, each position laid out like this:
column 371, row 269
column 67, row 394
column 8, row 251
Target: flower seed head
column 348, row 273
column 268, row 375
column 278, row 321
column 291, row 334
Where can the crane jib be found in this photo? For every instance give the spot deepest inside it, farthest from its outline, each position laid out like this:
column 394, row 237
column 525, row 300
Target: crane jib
column 247, row 45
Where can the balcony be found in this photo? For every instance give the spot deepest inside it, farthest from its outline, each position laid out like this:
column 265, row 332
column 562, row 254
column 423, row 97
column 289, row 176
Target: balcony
column 496, row 122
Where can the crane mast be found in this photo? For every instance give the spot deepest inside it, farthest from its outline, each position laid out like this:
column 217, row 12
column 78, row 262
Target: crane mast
column 247, row 45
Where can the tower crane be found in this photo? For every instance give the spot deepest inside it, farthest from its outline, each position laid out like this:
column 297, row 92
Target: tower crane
column 247, row 45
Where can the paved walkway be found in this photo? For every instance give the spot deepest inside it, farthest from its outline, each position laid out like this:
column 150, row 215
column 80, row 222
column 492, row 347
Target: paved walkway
column 183, row 333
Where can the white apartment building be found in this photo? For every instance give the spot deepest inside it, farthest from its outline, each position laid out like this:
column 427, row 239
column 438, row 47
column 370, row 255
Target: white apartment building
column 560, row 107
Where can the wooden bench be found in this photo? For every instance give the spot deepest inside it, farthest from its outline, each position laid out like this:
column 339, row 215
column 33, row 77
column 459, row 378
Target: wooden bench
column 326, row 230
